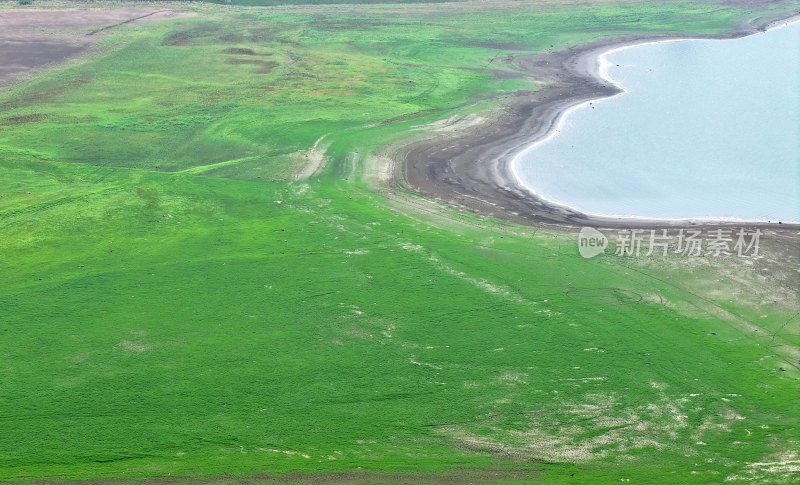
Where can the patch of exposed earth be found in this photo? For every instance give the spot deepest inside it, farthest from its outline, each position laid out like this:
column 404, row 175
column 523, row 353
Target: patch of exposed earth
column 33, row 38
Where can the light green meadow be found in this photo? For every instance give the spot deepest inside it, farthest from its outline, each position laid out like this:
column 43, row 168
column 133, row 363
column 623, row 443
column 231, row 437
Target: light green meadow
column 181, row 296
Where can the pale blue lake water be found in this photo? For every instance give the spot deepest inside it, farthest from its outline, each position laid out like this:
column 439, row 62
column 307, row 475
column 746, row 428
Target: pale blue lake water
column 706, row 129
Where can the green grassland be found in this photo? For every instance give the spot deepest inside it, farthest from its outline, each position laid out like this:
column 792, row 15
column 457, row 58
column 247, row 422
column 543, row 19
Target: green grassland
column 177, row 299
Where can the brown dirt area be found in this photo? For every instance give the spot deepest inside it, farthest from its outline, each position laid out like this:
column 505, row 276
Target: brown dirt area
column 34, row 38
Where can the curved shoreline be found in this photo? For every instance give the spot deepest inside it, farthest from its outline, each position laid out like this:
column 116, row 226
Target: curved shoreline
column 475, row 170
column 601, row 72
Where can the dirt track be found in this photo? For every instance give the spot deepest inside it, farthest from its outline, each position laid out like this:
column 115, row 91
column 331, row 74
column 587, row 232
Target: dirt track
column 447, row 477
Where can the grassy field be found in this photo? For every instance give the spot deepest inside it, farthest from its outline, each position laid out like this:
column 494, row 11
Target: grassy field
column 181, row 296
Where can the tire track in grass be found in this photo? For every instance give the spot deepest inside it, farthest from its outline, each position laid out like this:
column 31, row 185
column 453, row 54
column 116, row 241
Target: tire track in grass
column 205, row 168
column 716, row 310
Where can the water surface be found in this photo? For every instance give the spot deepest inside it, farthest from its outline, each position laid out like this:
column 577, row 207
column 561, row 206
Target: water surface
column 705, row 129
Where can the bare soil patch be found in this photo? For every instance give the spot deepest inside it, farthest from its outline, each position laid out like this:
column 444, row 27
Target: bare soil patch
column 242, row 51
column 34, row 38
column 195, row 35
